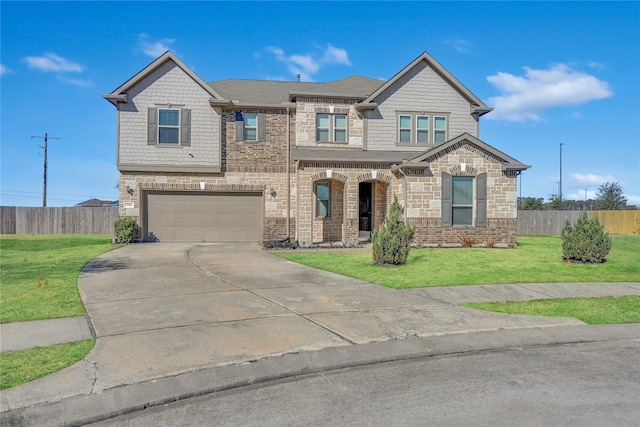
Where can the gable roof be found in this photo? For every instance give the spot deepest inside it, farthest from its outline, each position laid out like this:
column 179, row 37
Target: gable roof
column 262, row 93
column 478, row 106
column 508, row 162
column 358, row 87
column 120, row 94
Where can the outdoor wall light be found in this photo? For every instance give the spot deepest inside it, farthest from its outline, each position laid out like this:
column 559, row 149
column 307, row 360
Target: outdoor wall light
column 130, row 190
column 273, row 193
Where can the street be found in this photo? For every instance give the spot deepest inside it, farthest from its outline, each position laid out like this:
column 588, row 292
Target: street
column 590, row 384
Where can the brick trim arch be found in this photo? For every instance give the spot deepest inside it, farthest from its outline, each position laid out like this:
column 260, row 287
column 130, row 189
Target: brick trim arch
column 319, row 176
column 457, row 171
column 379, row 177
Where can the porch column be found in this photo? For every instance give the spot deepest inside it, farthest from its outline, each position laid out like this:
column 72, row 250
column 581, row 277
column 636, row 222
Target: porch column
column 350, row 223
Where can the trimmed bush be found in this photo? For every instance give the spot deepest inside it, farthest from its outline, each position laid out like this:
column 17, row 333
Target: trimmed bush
column 391, row 244
column 126, row 230
column 586, row 241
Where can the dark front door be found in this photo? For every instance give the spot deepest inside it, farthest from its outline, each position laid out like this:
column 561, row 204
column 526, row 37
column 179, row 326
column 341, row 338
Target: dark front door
column 365, row 209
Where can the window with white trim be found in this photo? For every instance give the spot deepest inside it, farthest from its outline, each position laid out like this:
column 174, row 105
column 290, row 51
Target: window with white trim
column 168, row 126
column 250, row 127
column 331, row 127
column 422, row 128
column 323, row 198
column 462, row 200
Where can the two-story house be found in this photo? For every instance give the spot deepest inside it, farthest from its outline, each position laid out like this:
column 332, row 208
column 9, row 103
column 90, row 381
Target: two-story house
column 249, row 160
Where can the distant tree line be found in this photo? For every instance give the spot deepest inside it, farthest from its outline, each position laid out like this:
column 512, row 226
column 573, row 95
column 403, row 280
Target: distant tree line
column 608, row 198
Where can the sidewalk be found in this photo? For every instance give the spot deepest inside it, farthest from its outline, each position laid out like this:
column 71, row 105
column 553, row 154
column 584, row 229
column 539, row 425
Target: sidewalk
column 23, row 335
column 175, row 320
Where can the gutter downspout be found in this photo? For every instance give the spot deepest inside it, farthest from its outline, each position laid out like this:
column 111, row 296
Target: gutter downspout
column 288, row 174
column 405, row 194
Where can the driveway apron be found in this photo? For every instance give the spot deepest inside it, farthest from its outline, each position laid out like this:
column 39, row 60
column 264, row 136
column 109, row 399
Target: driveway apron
column 162, row 309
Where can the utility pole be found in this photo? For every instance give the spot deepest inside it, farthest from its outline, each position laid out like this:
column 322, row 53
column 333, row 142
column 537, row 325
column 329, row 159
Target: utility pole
column 44, row 186
column 560, row 195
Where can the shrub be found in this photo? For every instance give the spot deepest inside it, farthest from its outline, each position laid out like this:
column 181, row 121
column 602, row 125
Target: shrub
column 467, row 241
column 392, row 243
column 586, row 241
column 126, row 230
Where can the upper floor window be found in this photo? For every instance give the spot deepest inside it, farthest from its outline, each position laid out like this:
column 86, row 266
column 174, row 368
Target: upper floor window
column 250, row 126
column 168, row 126
column 415, row 128
column 331, row 128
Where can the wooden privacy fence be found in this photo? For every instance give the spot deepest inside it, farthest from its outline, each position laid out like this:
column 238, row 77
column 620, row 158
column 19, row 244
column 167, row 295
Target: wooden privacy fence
column 552, row 222
column 71, row 220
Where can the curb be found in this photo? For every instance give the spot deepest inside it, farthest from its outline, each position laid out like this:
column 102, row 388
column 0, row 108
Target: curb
column 90, row 408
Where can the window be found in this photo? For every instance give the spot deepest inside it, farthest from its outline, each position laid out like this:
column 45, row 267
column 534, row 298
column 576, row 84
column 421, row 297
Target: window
column 250, row 126
column 415, row 128
column 404, row 124
column 169, row 126
column 440, row 129
column 322, row 128
column 340, row 128
column 462, row 200
column 322, row 198
column 458, row 200
column 422, row 129
column 331, row 127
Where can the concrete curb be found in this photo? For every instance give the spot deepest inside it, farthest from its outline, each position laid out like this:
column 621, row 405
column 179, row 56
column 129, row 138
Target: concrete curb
column 89, row 408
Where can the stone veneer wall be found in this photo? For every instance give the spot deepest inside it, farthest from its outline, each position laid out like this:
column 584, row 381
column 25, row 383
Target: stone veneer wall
column 306, row 110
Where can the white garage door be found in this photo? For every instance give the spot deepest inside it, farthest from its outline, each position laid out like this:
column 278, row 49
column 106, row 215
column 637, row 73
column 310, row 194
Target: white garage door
column 203, row 217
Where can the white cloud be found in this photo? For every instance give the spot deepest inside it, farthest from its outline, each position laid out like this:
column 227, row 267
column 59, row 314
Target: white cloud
column 52, row 62
column 589, row 180
column 154, row 48
column 75, row 82
column 5, row 70
column 309, row 64
column 633, row 200
column 459, row 45
column 526, row 97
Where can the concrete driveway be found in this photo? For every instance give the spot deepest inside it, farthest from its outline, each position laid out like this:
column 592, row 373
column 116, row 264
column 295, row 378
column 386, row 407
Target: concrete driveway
column 163, row 309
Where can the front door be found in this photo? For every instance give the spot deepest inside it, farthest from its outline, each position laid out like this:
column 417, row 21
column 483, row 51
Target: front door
column 365, row 209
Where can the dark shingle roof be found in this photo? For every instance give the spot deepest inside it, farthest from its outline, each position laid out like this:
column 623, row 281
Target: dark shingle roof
column 279, row 93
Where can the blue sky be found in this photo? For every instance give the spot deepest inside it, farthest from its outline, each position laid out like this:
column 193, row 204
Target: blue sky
column 555, row 73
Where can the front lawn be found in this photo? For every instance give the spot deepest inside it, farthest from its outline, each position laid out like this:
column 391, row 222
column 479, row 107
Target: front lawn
column 593, row 311
column 537, row 259
column 39, row 274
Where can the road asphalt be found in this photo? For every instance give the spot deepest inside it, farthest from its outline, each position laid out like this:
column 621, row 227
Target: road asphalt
column 173, row 321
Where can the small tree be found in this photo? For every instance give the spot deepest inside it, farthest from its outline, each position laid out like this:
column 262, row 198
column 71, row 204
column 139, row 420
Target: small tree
column 586, row 241
column 610, row 197
column 391, row 244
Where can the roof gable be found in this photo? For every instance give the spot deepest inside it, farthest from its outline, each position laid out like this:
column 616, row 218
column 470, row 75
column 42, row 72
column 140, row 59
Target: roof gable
column 508, row 162
column 120, row 94
column 479, row 106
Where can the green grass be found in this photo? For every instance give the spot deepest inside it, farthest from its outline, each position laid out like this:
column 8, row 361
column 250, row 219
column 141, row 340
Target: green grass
column 53, row 263
column 593, row 311
column 537, row 259
column 18, row 367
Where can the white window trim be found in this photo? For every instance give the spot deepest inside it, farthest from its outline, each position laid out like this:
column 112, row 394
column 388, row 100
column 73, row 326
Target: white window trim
column 245, row 126
column 472, row 205
column 431, row 130
column 318, row 199
column 331, row 130
column 177, row 143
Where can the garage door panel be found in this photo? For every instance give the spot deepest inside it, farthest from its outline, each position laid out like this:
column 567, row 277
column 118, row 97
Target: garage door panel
column 208, row 217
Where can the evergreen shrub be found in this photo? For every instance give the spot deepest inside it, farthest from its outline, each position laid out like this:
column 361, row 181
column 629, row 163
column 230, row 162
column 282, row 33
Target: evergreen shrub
column 585, row 241
column 392, row 242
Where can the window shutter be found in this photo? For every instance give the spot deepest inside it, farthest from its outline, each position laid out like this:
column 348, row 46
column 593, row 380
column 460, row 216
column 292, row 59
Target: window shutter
column 185, row 127
column 152, row 126
column 262, row 127
column 447, row 189
column 481, row 200
column 239, row 127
